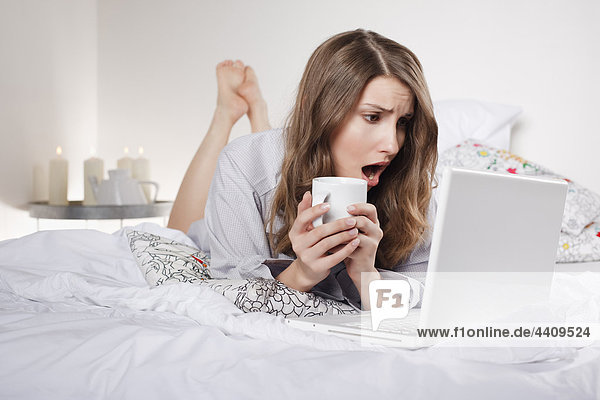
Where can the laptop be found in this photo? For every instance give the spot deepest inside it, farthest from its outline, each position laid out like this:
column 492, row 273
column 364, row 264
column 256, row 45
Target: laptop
column 493, row 252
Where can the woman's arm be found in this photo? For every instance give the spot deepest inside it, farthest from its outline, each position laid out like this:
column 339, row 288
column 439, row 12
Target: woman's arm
column 234, row 212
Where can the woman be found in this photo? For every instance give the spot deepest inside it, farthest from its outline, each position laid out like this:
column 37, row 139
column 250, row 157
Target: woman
column 363, row 110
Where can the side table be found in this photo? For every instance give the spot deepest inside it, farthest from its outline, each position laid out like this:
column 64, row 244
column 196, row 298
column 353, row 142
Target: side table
column 76, row 210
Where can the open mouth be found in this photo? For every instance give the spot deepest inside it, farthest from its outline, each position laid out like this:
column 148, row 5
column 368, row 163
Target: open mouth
column 372, row 172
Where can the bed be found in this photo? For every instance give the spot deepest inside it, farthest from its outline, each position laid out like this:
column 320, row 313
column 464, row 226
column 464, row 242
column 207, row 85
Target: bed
column 79, row 320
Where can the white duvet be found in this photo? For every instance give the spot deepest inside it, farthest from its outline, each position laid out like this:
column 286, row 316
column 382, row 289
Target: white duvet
column 78, row 321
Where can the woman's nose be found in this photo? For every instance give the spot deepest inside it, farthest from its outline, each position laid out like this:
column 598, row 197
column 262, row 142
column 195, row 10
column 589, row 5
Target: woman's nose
column 389, row 141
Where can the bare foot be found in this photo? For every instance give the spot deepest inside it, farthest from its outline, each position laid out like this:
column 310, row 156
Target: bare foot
column 230, row 76
column 257, row 106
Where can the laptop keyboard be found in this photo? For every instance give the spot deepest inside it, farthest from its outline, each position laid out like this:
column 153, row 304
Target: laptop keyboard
column 405, row 326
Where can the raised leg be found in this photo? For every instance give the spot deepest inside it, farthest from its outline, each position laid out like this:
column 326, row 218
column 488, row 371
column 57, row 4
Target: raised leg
column 257, row 106
column 191, row 199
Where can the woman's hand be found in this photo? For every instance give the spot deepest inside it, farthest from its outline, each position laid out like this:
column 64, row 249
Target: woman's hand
column 312, row 245
column 370, row 234
column 360, row 264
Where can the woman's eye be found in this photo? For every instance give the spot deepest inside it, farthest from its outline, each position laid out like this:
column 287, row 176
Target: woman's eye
column 372, row 117
column 402, row 121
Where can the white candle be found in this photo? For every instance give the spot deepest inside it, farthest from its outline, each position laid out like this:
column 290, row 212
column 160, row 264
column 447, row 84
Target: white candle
column 59, row 180
column 93, row 166
column 141, row 171
column 125, row 162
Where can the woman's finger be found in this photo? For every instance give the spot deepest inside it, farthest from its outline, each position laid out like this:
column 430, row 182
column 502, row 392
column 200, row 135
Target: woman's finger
column 330, row 228
column 341, row 255
column 366, row 209
column 325, row 245
column 305, row 202
column 307, row 216
column 366, row 226
column 303, row 206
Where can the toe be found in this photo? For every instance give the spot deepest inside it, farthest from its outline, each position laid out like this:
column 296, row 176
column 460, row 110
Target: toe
column 250, row 76
column 224, row 63
column 238, row 64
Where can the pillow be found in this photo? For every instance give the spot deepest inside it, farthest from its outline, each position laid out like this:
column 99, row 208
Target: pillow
column 580, row 248
column 488, row 123
column 273, row 297
column 164, row 261
column 582, row 205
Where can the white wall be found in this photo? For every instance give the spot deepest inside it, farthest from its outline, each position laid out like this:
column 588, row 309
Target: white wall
column 156, row 59
column 47, row 98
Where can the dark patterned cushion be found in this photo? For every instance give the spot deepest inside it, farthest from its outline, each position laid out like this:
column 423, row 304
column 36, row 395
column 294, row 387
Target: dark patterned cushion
column 164, row 261
column 273, row 297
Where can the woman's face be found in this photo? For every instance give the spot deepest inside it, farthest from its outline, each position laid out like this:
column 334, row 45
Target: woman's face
column 374, row 130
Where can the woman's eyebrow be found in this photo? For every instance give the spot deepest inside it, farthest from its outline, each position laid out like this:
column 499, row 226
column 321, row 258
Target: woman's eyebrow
column 380, row 108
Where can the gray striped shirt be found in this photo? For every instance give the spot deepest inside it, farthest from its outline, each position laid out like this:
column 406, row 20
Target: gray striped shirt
column 239, row 200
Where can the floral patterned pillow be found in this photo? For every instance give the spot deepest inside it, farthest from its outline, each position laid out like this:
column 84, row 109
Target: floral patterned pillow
column 580, row 248
column 164, row 261
column 582, row 205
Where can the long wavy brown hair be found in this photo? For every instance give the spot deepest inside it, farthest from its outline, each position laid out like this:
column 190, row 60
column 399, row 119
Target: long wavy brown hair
column 334, row 78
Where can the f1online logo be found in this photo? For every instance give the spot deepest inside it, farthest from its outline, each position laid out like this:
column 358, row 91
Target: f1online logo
column 389, row 300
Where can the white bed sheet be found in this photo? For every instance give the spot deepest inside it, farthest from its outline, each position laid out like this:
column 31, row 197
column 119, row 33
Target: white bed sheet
column 77, row 320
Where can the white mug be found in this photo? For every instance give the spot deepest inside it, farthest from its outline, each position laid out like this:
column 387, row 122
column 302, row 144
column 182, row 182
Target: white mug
column 339, row 193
